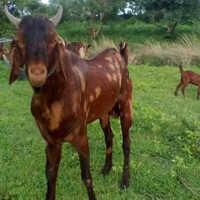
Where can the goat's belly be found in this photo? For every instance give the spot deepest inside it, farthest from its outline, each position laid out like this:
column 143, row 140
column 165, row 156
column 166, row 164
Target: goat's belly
column 102, row 105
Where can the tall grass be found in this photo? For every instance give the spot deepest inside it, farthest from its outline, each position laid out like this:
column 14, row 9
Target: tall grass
column 100, row 45
column 186, row 51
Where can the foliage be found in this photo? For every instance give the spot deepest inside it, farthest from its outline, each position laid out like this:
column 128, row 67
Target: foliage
column 90, row 9
column 172, row 12
column 166, row 14
column 19, row 9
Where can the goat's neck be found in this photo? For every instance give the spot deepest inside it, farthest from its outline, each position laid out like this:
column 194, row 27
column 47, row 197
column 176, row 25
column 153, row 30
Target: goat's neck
column 55, row 86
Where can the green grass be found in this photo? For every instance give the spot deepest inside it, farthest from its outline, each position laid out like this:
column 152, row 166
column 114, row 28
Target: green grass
column 165, row 156
column 131, row 30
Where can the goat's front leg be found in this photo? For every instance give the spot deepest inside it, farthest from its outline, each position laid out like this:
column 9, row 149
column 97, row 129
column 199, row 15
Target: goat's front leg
column 177, row 88
column 53, row 155
column 83, row 152
column 198, row 93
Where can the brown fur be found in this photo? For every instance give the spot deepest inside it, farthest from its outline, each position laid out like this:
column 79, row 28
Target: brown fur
column 188, row 77
column 74, row 93
column 78, row 48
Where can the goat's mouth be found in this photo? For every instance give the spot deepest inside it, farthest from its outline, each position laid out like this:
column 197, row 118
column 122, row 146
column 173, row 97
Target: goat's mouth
column 37, row 83
column 37, row 89
column 37, row 76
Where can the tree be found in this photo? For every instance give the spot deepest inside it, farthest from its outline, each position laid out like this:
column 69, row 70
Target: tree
column 90, row 9
column 171, row 12
column 19, row 8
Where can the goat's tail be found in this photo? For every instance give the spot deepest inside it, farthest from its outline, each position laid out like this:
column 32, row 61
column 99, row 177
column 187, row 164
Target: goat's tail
column 181, row 68
column 123, row 48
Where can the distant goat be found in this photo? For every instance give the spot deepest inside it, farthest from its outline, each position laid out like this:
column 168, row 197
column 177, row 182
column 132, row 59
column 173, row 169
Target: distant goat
column 78, row 48
column 188, row 77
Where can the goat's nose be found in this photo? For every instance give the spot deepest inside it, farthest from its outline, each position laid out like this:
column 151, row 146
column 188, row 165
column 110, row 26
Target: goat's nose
column 37, row 71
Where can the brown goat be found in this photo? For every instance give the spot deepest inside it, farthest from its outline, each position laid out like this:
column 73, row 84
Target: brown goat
column 78, row 48
column 188, row 77
column 69, row 93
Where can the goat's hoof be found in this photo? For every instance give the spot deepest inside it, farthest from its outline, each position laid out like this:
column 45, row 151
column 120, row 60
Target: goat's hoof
column 125, row 181
column 124, row 185
column 106, row 169
column 92, row 198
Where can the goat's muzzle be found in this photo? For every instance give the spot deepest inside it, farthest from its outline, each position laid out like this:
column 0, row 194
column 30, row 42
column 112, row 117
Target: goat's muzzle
column 37, row 75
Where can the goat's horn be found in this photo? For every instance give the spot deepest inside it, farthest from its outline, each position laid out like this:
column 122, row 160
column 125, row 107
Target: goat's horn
column 14, row 20
column 56, row 18
column 6, row 59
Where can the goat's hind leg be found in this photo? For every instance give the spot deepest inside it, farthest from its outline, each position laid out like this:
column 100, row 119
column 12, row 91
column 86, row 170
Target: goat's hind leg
column 126, row 122
column 177, row 88
column 183, row 89
column 198, row 92
column 106, row 127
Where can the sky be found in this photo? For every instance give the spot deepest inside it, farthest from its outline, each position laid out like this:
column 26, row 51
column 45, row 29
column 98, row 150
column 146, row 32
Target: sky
column 45, row 1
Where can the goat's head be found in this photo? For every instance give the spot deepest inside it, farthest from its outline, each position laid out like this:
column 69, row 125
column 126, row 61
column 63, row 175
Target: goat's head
column 36, row 46
column 78, row 48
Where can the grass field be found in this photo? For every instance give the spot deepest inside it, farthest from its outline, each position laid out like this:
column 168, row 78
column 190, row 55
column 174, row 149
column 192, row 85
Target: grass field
column 165, row 156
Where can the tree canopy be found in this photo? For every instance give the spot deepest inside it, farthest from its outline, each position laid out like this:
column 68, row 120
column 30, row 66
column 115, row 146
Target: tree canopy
column 169, row 12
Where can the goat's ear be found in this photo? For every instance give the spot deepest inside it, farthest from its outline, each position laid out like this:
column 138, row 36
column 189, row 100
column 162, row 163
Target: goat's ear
column 16, row 62
column 66, row 44
column 60, row 59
